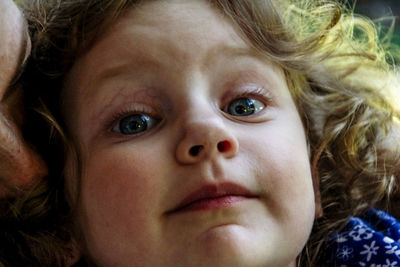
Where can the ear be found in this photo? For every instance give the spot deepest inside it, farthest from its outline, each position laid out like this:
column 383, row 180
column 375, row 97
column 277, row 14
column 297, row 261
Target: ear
column 74, row 253
column 317, row 193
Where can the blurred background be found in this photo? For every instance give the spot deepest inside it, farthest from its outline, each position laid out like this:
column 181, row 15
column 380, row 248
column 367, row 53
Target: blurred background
column 380, row 8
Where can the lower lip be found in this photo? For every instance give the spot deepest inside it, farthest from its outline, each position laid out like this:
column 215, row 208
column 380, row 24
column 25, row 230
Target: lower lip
column 213, row 203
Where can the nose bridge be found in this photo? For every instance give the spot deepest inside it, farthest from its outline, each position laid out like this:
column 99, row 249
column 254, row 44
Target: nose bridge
column 205, row 135
column 202, row 114
column 201, row 121
column 205, row 129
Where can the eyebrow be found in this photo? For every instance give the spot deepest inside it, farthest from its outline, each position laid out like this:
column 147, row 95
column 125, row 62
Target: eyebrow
column 149, row 63
column 236, row 51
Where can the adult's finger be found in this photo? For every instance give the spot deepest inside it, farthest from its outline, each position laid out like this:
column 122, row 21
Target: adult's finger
column 20, row 165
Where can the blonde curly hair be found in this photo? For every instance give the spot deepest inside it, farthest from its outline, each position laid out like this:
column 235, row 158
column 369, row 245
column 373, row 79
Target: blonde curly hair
column 340, row 73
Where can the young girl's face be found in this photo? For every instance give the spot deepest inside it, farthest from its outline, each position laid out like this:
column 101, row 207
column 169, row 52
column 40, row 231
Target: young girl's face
column 193, row 151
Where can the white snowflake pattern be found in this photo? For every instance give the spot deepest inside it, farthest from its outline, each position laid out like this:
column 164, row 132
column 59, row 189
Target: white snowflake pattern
column 370, row 250
column 390, row 264
column 361, row 232
column 391, row 248
column 341, row 238
column 345, row 253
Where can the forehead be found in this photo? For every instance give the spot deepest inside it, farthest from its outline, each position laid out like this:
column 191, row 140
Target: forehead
column 175, row 25
column 156, row 34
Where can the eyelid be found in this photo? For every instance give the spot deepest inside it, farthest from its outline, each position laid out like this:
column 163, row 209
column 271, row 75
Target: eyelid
column 253, row 92
column 150, row 122
column 129, row 111
column 257, row 92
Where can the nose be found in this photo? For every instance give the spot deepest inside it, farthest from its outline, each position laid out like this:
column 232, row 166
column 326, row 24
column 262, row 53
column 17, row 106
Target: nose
column 205, row 138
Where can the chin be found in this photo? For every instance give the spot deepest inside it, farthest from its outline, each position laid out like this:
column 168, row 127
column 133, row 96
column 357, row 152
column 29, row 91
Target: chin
column 234, row 245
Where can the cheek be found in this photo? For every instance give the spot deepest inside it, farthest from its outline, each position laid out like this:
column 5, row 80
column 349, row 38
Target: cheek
column 121, row 191
column 279, row 157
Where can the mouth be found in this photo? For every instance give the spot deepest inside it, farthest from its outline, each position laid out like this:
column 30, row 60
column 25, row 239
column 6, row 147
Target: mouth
column 211, row 197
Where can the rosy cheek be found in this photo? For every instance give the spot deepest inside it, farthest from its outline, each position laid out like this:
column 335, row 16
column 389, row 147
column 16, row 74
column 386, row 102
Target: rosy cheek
column 115, row 186
column 117, row 200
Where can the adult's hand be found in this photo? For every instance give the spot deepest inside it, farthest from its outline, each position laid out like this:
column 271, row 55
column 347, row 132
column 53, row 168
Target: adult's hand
column 20, row 166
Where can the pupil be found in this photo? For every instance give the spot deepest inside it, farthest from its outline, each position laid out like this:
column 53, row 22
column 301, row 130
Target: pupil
column 133, row 124
column 242, row 107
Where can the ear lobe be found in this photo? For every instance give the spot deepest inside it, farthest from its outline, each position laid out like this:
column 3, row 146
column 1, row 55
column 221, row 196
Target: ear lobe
column 74, row 253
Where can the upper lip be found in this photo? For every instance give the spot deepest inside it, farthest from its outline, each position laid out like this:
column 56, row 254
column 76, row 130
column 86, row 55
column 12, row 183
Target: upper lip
column 212, row 191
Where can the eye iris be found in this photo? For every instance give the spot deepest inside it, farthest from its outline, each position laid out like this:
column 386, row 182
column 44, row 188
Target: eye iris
column 133, row 124
column 242, row 107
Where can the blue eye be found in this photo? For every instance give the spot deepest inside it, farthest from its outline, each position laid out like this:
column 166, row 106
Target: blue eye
column 244, row 106
column 134, row 124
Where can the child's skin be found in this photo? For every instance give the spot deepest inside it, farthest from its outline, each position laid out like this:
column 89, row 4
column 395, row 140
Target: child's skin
column 183, row 66
column 19, row 165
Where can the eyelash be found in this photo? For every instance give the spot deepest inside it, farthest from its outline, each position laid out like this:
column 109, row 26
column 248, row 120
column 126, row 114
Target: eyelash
column 259, row 93
column 116, row 118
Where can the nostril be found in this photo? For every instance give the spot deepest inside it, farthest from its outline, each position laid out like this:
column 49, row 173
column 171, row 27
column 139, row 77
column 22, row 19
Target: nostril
column 224, row 146
column 195, row 150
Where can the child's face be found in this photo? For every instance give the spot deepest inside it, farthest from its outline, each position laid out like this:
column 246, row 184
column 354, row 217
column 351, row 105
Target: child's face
column 193, row 151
